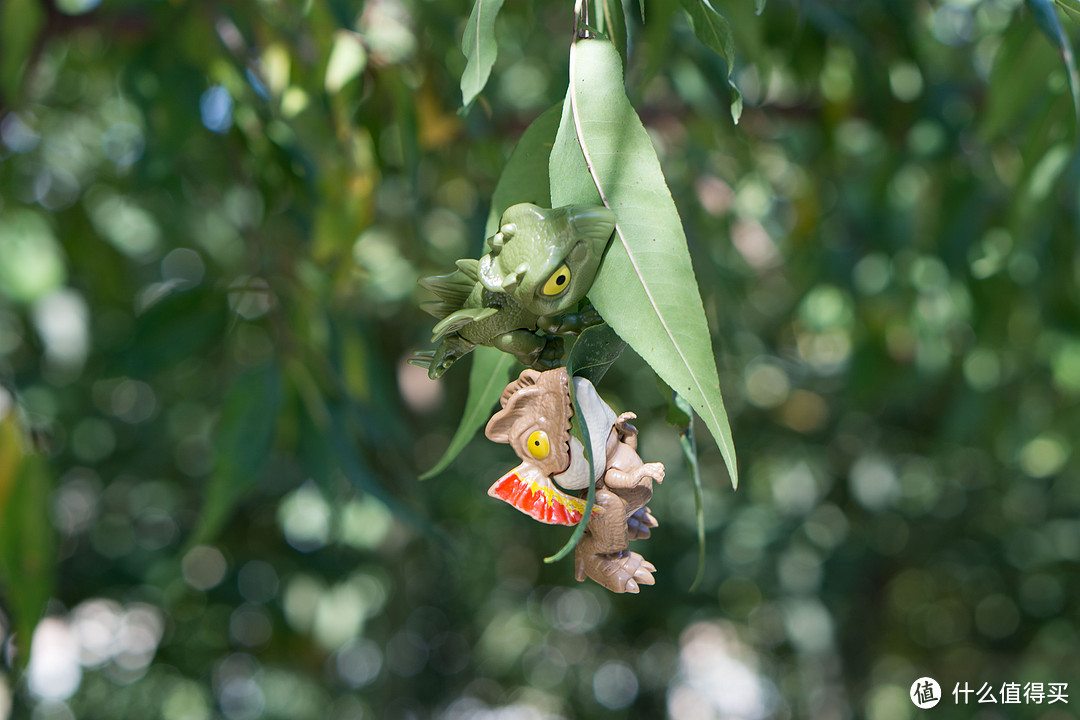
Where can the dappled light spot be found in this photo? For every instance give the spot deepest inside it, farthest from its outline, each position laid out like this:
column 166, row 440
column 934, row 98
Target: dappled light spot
column 888, row 702
column 19, row 132
column 1044, row 456
column 615, row 685
column 204, row 567
column 128, row 226
column 183, row 268
column 216, row 109
column 873, row 482
column 304, row 517
column 905, row 81
column 573, row 610
column 62, row 319
column 754, row 244
column 31, row 262
column 186, row 700
column 54, row 672
column 872, row 274
column 123, row 143
column 545, row 667
column 718, row 677
column 250, row 297
column 982, row 369
column 804, row 411
column 236, row 686
column 364, row 523
column 358, row 662
column 250, row 626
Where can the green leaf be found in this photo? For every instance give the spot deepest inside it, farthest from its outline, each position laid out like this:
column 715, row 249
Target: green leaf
column 612, row 22
column 586, row 442
column 645, row 288
column 244, row 438
column 1012, row 97
column 491, row 371
column 20, row 23
column 1048, row 22
column 593, row 353
column 27, row 548
column 714, row 32
column 1071, row 8
column 480, row 47
column 689, row 448
column 712, row 29
column 525, row 177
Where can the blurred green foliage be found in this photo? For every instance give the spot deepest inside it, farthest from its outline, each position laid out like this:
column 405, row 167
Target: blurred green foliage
column 212, row 217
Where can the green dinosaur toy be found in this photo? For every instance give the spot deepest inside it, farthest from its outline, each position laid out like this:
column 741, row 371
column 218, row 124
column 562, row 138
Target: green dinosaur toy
column 519, row 296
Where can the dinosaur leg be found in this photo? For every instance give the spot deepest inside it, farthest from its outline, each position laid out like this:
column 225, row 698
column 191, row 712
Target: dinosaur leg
column 536, row 351
column 602, row 554
column 641, row 524
column 570, row 323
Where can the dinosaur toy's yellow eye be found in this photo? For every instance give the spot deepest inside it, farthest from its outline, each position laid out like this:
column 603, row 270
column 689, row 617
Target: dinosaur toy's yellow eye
column 538, row 445
column 559, row 281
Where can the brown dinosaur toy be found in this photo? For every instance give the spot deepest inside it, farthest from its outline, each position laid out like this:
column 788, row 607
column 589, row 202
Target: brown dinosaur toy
column 535, row 421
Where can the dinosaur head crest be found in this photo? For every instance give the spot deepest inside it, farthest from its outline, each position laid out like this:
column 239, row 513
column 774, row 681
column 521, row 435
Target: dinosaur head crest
column 535, row 419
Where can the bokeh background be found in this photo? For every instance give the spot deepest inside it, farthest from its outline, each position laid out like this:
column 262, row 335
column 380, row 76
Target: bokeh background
column 212, row 220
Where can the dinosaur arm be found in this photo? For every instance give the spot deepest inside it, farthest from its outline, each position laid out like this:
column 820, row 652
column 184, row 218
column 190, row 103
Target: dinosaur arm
column 569, row 323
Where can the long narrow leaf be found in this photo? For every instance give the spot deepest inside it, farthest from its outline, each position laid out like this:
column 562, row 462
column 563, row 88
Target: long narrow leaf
column 27, row 548
column 714, row 32
column 586, row 443
column 480, row 48
column 244, row 439
column 1048, row 22
column 645, row 289
column 491, row 370
column 689, row 448
column 524, row 179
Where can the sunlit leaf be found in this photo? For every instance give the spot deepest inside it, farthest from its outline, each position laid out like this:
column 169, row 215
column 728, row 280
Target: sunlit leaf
column 1048, row 22
column 645, row 289
column 480, row 48
column 243, row 440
